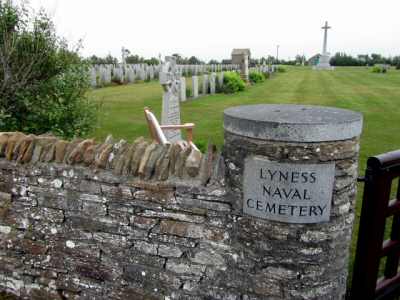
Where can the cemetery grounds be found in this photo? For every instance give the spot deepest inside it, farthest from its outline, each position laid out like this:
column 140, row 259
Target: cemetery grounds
column 376, row 96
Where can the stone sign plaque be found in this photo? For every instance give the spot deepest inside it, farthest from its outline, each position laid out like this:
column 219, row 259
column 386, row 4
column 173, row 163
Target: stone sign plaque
column 285, row 192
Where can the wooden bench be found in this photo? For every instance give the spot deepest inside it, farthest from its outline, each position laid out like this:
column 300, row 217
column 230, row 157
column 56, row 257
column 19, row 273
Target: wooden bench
column 156, row 130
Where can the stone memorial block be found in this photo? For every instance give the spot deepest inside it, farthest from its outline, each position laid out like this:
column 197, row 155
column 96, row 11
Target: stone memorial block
column 151, row 72
column 109, row 73
column 195, row 87
column 205, row 84
column 292, row 173
column 103, row 75
column 93, row 76
column 142, row 73
column 221, row 79
column 182, row 89
column 169, row 80
column 118, row 74
column 213, row 77
column 130, row 75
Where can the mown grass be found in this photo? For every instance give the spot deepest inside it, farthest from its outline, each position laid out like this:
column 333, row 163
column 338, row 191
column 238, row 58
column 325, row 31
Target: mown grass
column 376, row 96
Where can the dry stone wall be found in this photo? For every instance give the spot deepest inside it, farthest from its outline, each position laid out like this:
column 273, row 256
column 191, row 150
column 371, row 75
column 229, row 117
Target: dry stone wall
column 143, row 159
column 73, row 227
column 118, row 220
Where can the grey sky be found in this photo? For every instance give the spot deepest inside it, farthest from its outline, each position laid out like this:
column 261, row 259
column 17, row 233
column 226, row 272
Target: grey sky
column 211, row 28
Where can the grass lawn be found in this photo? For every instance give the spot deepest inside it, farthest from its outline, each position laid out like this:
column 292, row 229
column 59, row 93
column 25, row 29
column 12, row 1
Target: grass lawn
column 377, row 96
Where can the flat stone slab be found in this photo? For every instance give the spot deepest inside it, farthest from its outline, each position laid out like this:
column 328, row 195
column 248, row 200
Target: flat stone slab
column 289, row 193
column 293, row 123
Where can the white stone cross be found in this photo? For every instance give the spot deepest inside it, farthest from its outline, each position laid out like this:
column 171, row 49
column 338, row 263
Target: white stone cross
column 326, row 27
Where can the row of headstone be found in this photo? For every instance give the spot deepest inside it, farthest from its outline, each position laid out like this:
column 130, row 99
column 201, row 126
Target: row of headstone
column 209, row 83
column 265, row 69
column 102, row 75
column 212, row 80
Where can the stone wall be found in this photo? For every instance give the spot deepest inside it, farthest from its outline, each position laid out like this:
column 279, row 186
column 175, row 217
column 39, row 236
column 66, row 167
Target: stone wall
column 73, row 227
column 80, row 220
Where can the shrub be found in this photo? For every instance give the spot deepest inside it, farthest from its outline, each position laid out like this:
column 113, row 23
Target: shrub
column 378, row 69
column 232, row 83
column 43, row 82
column 398, row 66
column 281, row 69
column 256, row 77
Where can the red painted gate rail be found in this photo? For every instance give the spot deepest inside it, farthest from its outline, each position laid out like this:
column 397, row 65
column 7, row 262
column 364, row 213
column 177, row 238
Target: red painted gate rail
column 382, row 173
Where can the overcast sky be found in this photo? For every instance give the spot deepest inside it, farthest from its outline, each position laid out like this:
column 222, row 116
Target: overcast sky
column 211, row 28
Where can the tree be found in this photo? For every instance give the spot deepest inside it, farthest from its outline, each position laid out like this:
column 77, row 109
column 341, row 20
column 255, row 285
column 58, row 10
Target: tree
column 109, row 59
column 134, row 59
column 152, row 61
column 396, row 61
column 193, row 60
column 179, row 59
column 364, row 59
column 342, row 59
column 377, row 59
column 43, row 84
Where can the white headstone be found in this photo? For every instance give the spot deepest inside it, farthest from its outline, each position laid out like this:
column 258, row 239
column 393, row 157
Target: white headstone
column 142, row 73
column 221, row 79
column 195, row 86
column 169, row 79
column 151, row 72
column 182, row 89
column 205, row 84
column 212, row 83
column 130, row 75
column 93, row 77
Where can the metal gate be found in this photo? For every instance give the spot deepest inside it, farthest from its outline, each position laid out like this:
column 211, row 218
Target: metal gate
column 382, row 173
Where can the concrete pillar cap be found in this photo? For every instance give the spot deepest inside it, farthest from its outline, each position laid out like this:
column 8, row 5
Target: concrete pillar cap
column 293, row 123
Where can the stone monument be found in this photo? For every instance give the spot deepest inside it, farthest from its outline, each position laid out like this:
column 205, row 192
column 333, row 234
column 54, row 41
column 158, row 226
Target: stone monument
column 182, row 89
column 292, row 175
column 93, row 77
column 205, row 84
column 195, row 86
column 241, row 57
column 170, row 81
column 213, row 77
column 323, row 62
column 124, row 53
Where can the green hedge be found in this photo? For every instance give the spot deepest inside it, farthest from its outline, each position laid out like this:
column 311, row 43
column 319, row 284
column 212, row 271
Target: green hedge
column 232, row 83
column 378, row 69
column 256, row 77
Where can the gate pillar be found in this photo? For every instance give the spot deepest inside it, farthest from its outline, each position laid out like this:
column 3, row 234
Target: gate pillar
column 291, row 171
